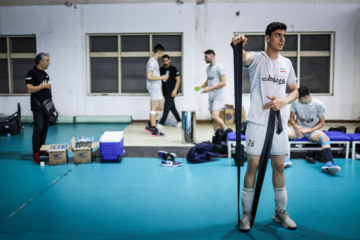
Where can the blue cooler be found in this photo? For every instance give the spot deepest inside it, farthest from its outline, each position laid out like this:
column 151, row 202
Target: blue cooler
column 111, row 146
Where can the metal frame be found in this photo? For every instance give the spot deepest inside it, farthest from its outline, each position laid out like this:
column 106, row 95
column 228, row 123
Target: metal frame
column 354, row 143
column 120, row 54
column 9, row 56
column 347, row 148
column 298, row 54
column 229, row 146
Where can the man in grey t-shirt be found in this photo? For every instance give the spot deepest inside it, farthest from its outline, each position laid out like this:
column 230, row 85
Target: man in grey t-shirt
column 214, row 85
column 269, row 74
column 154, row 85
column 310, row 118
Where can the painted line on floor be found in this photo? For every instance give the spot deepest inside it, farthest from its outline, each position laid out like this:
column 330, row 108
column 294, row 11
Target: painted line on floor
column 36, row 195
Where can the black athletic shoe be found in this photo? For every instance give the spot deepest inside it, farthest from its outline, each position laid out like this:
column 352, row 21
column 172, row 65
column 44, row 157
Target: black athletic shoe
column 310, row 160
column 318, row 157
column 148, row 128
column 164, row 154
column 155, row 133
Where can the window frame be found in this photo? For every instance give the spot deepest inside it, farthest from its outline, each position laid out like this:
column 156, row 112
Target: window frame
column 9, row 56
column 298, row 54
column 120, row 54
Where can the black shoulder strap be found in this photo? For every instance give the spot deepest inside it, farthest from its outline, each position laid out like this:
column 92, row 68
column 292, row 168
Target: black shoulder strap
column 37, row 102
column 264, row 158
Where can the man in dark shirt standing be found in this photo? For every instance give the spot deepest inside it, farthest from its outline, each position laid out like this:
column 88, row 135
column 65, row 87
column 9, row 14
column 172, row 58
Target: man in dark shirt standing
column 37, row 83
column 169, row 89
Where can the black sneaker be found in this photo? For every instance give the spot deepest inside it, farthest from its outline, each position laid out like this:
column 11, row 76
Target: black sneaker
column 310, row 159
column 148, row 128
column 164, row 154
column 318, row 157
column 155, row 133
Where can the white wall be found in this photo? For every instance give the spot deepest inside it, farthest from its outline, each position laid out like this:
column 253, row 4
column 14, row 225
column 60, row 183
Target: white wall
column 61, row 31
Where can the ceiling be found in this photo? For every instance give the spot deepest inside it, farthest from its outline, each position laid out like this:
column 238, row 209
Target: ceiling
column 76, row 2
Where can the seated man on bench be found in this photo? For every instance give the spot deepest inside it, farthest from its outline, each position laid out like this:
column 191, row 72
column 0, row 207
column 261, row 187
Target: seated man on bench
column 310, row 118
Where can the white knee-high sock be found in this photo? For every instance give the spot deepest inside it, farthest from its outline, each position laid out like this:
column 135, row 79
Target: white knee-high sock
column 247, row 197
column 280, row 199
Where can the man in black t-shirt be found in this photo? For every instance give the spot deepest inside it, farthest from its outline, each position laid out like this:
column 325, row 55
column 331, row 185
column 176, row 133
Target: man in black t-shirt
column 169, row 89
column 37, row 83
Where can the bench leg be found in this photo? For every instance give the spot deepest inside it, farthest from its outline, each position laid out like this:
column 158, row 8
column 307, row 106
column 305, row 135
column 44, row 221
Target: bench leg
column 347, row 149
column 353, row 150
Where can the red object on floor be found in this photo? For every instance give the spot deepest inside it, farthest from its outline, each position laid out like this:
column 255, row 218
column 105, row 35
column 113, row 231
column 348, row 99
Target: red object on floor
column 36, row 158
column 44, row 153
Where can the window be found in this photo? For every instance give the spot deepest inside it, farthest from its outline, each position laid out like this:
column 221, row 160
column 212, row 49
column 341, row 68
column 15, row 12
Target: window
column 311, row 55
column 17, row 57
column 117, row 62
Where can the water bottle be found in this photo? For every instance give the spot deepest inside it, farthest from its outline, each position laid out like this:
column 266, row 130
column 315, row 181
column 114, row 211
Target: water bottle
column 167, row 74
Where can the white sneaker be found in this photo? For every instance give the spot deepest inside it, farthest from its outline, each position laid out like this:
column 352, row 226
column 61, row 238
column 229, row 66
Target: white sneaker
column 244, row 224
column 179, row 125
column 159, row 126
column 284, row 219
column 170, row 163
column 287, row 162
column 331, row 168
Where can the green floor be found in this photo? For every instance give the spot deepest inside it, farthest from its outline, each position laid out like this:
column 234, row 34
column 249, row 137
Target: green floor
column 139, row 199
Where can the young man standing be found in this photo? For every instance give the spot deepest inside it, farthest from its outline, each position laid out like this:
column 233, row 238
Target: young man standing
column 169, row 90
column 269, row 74
column 310, row 118
column 214, row 85
column 37, row 83
column 154, row 85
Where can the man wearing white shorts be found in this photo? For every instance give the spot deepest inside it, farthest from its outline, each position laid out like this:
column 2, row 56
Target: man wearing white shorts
column 269, row 74
column 310, row 118
column 154, row 87
column 214, row 85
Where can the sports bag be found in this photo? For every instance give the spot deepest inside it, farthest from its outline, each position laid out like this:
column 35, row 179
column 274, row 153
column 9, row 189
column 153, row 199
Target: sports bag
column 11, row 124
column 48, row 107
column 357, row 130
column 338, row 129
column 220, row 136
column 202, row 152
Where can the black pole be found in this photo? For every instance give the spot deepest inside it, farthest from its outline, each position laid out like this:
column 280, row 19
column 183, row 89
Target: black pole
column 238, row 49
column 268, row 138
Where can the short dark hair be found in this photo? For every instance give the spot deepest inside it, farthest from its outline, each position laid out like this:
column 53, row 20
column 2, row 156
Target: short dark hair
column 209, row 52
column 274, row 26
column 303, row 91
column 158, row 47
column 166, row 56
column 40, row 57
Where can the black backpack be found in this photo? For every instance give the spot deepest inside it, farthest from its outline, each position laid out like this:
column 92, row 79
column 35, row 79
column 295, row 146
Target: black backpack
column 202, row 152
column 357, row 130
column 220, row 136
column 338, row 129
column 54, row 118
column 244, row 155
column 11, row 124
column 220, row 148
